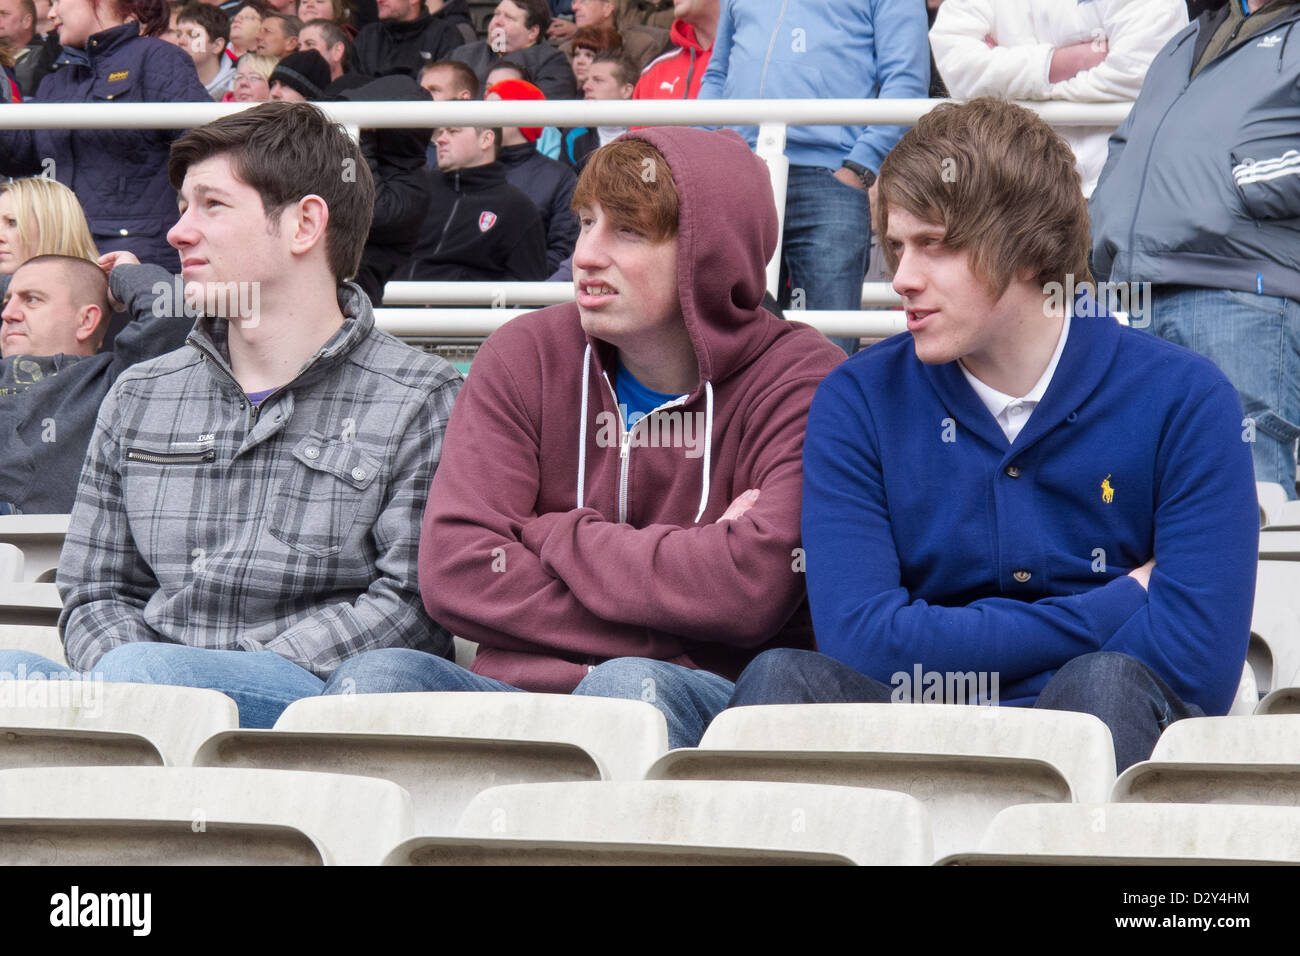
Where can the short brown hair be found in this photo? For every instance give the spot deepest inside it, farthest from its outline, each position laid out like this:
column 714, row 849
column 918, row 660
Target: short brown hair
column 287, row 151
column 86, row 284
column 624, row 65
column 631, row 181
column 212, row 19
column 1001, row 182
column 465, row 78
column 600, row 36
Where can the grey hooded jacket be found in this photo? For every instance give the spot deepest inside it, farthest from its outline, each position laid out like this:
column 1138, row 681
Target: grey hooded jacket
column 1202, row 183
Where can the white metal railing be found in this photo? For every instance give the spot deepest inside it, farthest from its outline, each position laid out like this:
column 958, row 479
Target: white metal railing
column 770, row 116
column 405, row 114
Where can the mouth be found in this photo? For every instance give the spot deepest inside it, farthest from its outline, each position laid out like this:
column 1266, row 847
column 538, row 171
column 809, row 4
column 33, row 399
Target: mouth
column 591, row 294
column 188, row 265
column 916, row 318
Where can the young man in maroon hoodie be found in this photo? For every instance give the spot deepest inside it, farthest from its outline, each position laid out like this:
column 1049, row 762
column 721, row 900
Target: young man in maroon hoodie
column 617, row 509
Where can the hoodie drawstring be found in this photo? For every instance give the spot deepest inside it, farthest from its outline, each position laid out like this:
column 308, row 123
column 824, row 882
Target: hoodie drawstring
column 582, row 426
column 582, row 437
column 708, row 448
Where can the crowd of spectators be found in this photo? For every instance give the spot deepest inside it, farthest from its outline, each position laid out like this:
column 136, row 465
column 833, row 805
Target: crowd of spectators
column 530, row 203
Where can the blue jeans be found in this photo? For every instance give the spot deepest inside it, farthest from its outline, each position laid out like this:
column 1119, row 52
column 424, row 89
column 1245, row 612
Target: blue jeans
column 25, row 665
column 826, row 243
column 1119, row 690
column 261, row 683
column 1255, row 341
column 687, row 698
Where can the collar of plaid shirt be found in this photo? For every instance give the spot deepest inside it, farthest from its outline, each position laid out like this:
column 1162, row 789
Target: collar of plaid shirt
column 209, row 336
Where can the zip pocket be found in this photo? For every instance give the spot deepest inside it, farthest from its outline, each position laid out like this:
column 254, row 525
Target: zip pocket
column 171, row 458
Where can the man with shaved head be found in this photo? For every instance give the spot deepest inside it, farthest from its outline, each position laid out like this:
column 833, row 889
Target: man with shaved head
column 52, row 374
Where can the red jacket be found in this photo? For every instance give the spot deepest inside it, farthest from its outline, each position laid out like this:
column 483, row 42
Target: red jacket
column 675, row 75
column 523, row 549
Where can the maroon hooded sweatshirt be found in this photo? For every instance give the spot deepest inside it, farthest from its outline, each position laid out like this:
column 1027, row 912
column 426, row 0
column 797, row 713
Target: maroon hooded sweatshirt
column 557, row 540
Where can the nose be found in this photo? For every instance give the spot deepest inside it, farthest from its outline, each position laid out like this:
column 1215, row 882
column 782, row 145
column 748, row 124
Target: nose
column 590, row 252
column 908, row 280
column 10, row 313
column 182, row 234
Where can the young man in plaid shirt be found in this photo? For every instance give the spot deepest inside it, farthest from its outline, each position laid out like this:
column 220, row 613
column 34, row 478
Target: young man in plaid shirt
column 247, row 518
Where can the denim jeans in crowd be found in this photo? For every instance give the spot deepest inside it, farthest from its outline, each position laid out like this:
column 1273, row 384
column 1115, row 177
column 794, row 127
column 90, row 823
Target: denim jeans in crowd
column 826, row 243
column 1121, row 691
column 1255, row 341
column 687, row 698
column 261, row 683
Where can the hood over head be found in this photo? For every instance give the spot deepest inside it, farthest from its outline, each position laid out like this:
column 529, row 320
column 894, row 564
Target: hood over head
column 726, row 233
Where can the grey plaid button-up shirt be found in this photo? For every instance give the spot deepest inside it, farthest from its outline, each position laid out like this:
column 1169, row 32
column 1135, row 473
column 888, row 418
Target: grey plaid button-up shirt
column 290, row 527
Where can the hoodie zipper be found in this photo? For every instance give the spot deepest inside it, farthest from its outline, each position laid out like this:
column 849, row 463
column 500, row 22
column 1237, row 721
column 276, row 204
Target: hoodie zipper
column 451, row 217
column 625, row 444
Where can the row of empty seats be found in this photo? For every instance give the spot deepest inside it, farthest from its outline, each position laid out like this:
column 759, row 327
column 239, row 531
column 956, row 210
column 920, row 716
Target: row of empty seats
column 964, row 766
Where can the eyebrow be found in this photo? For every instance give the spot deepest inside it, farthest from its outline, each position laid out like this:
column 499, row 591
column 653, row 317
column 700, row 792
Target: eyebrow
column 201, row 190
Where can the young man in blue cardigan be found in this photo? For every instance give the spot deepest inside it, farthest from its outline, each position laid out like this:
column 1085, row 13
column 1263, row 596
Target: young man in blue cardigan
column 1020, row 495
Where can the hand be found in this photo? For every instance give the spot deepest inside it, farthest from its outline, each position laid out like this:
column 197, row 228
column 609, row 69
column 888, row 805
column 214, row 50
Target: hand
column 561, row 30
column 849, row 178
column 110, row 261
column 1076, row 58
column 1142, row 575
column 744, row 501
column 989, row 41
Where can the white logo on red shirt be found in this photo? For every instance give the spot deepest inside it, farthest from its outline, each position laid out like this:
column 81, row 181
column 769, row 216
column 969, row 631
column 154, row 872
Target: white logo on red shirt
column 486, row 220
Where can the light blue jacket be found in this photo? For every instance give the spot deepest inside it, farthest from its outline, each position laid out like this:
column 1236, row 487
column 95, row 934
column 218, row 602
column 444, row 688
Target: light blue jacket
column 823, row 49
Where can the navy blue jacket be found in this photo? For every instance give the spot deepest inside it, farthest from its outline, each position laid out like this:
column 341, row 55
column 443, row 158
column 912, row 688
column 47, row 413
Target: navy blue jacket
column 120, row 175
column 930, row 540
column 549, row 184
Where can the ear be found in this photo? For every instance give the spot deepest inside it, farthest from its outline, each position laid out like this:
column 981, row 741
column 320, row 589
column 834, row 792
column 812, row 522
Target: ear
column 534, row 33
column 307, row 228
column 485, row 139
column 220, row 49
column 88, row 319
column 290, row 44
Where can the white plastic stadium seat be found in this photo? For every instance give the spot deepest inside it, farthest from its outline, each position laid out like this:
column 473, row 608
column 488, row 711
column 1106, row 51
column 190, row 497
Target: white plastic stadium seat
column 41, row 539
column 1272, row 499
column 25, row 602
column 1274, row 651
column 1280, row 700
column 123, row 815
column 1149, row 833
column 676, row 822
column 39, row 639
column 11, row 563
column 1247, row 699
column 1239, row 760
column 444, row 748
column 1279, row 545
column 963, row 763
column 64, row 722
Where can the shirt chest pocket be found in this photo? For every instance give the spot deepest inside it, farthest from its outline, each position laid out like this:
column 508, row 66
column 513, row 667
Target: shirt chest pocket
column 113, row 86
column 326, row 487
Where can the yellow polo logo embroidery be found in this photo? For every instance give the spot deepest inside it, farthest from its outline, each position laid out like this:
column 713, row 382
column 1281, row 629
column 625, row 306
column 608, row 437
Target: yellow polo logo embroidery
column 1107, row 492
column 119, row 75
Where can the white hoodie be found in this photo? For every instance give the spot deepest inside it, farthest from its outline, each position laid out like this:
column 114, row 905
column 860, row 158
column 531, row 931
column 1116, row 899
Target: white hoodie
column 1027, row 32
